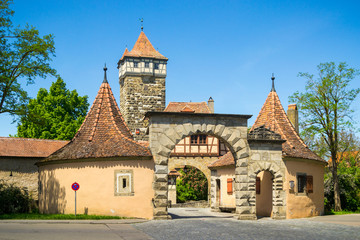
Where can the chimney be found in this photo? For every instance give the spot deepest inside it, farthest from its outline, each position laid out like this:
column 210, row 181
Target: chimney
column 292, row 114
column 211, row 104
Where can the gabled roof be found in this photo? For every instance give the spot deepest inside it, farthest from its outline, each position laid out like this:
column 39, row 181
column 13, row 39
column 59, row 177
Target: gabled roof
column 272, row 116
column 28, row 147
column 226, row 160
column 196, row 107
column 103, row 133
column 143, row 48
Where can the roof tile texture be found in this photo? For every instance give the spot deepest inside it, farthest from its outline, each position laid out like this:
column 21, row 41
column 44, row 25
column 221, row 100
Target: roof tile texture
column 273, row 117
column 28, row 147
column 103, row 133
column 225, row 160
column 196, row 107
column 143, row 48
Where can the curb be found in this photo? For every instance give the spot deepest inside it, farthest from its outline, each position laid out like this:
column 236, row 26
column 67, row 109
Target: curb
column 121, row 221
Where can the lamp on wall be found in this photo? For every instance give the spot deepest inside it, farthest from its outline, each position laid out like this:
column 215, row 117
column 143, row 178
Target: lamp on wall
column 292, row 185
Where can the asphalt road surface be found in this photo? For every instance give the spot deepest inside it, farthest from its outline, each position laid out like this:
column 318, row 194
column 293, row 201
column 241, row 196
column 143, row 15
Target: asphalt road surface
column 189, row 223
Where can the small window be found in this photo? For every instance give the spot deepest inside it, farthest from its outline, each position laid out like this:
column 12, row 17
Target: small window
column 136, row 64
column 301, row 182
column 202, row 139
column 124, row 183
column 198, row 139
column 194, row 139
column 146, row 65
column 156, row 66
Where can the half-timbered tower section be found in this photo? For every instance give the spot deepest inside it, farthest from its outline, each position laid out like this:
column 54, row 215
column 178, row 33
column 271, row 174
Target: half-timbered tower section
column 197, row 145
column 142, row 73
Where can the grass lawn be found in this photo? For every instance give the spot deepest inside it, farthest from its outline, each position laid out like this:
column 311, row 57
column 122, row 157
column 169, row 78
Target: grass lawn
column 340, row 213
column 38, row 216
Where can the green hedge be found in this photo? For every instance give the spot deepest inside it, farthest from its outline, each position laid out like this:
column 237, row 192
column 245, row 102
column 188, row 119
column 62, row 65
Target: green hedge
column 15, row 200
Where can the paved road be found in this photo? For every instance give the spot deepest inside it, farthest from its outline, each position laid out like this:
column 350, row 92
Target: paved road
column 187, row 224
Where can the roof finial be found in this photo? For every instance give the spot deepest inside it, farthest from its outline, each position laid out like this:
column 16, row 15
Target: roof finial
column 273, row 84
column 142, row 27
column 105, row 78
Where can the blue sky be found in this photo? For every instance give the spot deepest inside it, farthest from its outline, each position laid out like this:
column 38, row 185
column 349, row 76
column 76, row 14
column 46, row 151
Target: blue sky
column 223, row 49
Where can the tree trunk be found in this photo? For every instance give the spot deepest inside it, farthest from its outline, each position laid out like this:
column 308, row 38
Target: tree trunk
column 337, row 200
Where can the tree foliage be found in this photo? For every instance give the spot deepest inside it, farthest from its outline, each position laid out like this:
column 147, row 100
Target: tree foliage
column 24, row 55
column 349, row 181
column 56, row 114
column 326, row 111
column 192, row 185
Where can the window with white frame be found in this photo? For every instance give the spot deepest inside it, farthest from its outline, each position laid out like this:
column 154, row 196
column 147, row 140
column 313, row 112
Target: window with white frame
column 124, row 183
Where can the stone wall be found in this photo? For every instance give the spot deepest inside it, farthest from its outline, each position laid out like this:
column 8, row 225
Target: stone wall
column 24, row 173
column 138, row 95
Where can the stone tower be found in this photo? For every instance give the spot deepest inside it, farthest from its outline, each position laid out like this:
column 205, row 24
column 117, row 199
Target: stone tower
column 142, row 73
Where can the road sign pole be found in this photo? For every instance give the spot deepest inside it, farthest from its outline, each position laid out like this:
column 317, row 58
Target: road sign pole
column 75, row 203
column 75, row 186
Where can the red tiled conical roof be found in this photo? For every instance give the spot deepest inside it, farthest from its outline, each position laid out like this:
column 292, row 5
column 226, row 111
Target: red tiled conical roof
column 143, row 48
column 273, row 117
column 103, row 133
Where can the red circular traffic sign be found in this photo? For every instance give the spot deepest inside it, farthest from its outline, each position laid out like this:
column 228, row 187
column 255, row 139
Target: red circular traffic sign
column 75, row 186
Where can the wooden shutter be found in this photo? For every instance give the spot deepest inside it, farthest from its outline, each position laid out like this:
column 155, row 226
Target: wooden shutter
column 309, row 184
column 257, row 185
column 229, row 186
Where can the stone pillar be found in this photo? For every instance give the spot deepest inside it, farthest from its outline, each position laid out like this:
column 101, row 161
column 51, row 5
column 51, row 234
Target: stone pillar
column 161, row 188
column 213, row 189
column 244, row 196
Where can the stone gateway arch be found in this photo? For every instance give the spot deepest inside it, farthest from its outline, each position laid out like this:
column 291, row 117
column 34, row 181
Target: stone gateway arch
column 166, row 129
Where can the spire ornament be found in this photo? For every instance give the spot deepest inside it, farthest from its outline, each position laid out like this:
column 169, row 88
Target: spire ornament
column 105, row 78
column 142, row 20
column 273, row 84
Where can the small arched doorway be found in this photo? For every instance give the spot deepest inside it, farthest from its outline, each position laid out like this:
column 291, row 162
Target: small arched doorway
column 264, row 194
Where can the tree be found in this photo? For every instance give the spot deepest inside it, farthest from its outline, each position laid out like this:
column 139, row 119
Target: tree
column 57, row 114
column 192, row 185
column 325, row 109
column 24, row 55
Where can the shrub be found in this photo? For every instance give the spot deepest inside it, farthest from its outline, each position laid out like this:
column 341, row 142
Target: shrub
column 14, row 199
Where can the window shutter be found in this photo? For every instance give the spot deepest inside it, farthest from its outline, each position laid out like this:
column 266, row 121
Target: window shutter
column 229, row 186
column 309, row 184
column 257, row 185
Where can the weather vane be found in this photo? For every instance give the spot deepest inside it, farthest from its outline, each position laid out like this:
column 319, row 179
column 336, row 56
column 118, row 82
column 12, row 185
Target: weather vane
column 141, row 20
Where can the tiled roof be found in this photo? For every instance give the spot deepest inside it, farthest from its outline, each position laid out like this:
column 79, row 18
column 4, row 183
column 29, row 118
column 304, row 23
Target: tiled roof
column 103, row 133
column 28, row 147
column 272, row 116
column 196, row 107
column 143, row 48
column 225, row 160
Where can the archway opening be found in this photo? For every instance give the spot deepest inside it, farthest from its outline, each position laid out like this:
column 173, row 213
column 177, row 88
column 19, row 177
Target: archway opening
column 264, row 194
column 193, row 155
